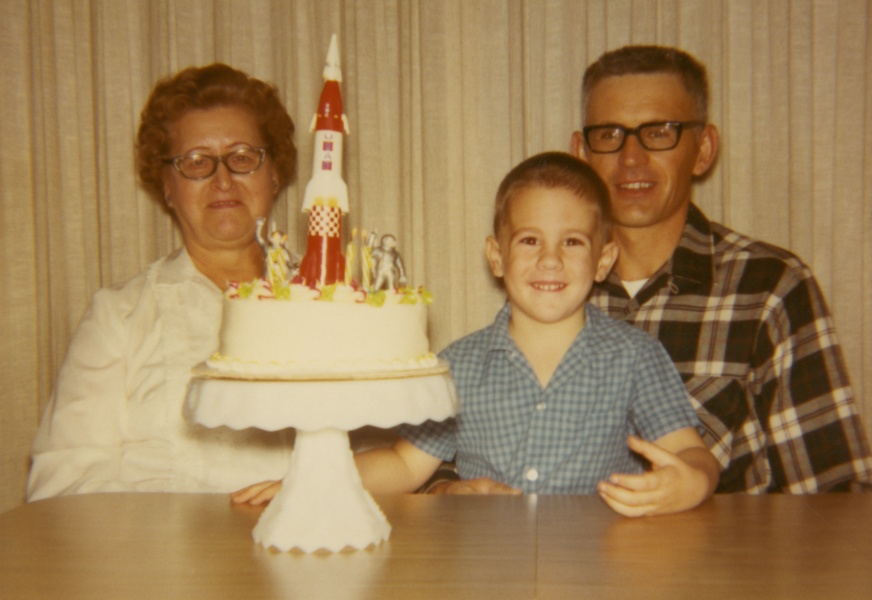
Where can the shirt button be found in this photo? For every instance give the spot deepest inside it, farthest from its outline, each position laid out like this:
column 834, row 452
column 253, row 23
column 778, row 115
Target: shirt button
column 540, row 406
column 532, row 475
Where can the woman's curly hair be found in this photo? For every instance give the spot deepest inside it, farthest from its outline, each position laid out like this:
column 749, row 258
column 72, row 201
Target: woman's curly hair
column 208, row 87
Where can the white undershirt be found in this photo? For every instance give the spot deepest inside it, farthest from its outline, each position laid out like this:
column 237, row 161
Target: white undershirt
column 633, row 287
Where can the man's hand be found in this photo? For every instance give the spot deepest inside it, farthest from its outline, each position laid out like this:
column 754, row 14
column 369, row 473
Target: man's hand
column 482, row 485
column 256, row 494
column 683, row 474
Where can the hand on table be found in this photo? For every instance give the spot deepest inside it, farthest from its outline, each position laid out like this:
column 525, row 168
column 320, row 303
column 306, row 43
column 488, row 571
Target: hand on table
column 257, row 494
column 482, row 485
column 261, row 493
column 676, row 482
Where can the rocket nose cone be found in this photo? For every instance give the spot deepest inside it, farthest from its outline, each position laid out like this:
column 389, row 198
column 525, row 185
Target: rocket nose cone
column 333, row 51
column 332, row 68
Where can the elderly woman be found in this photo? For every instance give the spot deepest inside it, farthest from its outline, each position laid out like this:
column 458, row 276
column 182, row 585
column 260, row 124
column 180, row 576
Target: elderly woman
column 216, row 146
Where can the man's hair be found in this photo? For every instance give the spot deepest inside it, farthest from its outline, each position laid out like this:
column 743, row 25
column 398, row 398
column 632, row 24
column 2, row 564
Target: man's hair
column 640, row 60
column 555, row 170
column 201, row 88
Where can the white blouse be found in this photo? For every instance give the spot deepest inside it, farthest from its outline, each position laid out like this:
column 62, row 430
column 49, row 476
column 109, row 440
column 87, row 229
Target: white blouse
column 115, row 421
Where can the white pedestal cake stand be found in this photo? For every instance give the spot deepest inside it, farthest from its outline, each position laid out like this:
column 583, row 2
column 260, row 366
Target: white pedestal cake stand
column 322, row 503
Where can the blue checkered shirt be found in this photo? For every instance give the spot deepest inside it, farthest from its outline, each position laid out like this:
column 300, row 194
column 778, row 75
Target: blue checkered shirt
column 613, row 381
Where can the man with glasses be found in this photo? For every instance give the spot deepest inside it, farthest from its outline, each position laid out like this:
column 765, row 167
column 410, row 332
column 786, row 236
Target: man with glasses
column 745, row 322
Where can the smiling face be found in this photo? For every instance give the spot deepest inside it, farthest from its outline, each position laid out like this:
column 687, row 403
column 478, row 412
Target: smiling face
column 548, row 253
column 218, row 213
column 648, row 188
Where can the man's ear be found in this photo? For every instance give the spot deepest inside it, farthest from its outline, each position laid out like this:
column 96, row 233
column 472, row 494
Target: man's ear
column 577, row 145
column 709, row 142
column 607, row 259
column 494, row 257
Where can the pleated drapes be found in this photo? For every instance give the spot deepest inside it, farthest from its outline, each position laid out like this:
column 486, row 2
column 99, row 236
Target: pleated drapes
column 442, row 97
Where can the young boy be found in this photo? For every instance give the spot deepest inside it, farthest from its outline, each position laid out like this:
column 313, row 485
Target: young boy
column 554, row 394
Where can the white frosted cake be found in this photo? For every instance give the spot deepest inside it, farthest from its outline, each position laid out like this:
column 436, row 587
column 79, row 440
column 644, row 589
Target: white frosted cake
column 338, row 330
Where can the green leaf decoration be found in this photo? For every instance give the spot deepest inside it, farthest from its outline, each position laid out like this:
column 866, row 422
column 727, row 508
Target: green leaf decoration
column 246, row 289
column 376, row 298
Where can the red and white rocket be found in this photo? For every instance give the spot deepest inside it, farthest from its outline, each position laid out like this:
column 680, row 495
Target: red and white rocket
column 326, row 198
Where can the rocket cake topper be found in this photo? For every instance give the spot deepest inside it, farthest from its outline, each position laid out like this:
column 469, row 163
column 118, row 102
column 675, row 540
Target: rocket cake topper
column 330, row 115
column 326, row 197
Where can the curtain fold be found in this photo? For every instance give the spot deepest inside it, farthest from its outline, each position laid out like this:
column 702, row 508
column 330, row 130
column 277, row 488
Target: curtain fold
column 442, row 98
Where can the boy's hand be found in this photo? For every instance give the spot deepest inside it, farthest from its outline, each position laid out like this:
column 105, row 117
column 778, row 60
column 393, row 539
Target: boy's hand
column 256, row 494
column 682, row 475
column 482, row 485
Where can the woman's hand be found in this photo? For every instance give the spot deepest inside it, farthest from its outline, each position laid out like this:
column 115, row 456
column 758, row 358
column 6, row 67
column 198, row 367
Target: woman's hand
column 257, row 494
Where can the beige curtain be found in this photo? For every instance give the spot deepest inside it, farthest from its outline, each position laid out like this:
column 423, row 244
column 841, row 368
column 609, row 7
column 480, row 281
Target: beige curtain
column 443, row 97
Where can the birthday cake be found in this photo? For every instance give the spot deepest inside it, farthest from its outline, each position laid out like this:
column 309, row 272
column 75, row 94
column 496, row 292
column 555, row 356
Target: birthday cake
column 337, row 329
column 333, row 312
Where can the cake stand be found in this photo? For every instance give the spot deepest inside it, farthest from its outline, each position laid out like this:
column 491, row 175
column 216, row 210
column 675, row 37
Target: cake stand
column 322, row 503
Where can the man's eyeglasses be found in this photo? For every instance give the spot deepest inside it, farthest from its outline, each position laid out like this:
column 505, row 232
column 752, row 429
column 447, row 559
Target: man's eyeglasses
column 665, row 135
column 200, row 166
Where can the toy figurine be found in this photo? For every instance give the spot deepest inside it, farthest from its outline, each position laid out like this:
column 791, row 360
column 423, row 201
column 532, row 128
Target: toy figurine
column 389, row 273
column 279, row 264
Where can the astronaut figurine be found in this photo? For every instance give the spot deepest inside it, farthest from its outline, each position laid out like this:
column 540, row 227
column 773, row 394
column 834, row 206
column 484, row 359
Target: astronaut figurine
column 279, row 265
column 389, row 273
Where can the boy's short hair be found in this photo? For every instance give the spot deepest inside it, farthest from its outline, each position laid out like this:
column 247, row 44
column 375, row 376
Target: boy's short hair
column 640, row 60
column 555, row 170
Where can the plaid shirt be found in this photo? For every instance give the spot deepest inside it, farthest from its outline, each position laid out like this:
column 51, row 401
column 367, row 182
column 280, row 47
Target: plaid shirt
column 613, row 381
column 751, row 335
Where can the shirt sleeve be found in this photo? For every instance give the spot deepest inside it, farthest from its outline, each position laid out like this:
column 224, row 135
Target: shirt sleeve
column 662, row 404
column 436, row 438
column 801, row 392
column 77, row 447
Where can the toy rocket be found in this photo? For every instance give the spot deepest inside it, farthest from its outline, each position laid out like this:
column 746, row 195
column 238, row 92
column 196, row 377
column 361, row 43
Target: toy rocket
column 326, row 198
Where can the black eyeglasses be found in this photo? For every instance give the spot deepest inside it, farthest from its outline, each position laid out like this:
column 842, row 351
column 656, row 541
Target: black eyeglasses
column 200, row 166
column 663, row 135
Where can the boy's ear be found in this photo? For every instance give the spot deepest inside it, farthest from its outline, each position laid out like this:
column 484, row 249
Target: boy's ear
column 576, row 145
column 607, row 259
column 494, row 257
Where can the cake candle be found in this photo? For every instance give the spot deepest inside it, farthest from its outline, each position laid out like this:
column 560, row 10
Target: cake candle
column 349, row 259
column 366, row 260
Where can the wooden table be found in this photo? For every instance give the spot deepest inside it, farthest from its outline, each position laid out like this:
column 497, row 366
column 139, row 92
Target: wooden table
column 130, row 546
column 736, row 546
